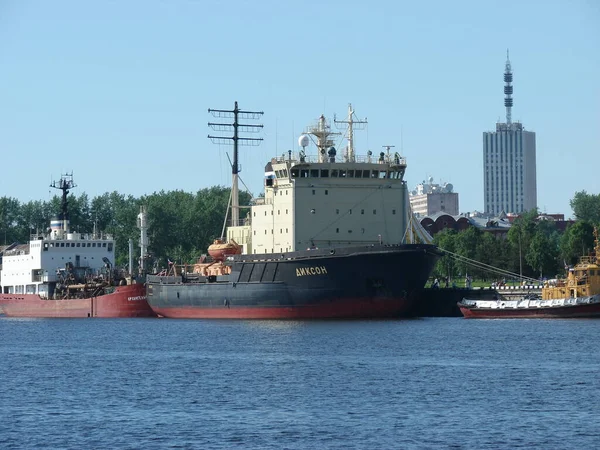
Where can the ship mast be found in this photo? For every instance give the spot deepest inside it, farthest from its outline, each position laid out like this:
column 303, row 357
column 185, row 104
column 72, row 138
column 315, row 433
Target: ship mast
column 236, row 114
column 351, row 122
column 64, row 184
column 322, row 131
column 142, row 223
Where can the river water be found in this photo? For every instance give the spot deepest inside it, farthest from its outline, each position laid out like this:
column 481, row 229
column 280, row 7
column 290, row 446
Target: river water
column 396, row 384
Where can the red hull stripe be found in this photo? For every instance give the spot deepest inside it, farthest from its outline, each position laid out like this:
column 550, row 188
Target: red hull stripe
column 340, row 310
column 125, row 301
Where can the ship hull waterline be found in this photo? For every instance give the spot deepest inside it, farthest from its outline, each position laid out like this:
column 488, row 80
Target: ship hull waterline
column 349, row 285
column 125, row 301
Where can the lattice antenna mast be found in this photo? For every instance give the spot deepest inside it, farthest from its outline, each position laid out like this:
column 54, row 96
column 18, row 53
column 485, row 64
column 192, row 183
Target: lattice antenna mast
column 351, row 122
column 322, row 131
column 508, row 89
column 64, row 184
column 237, row 127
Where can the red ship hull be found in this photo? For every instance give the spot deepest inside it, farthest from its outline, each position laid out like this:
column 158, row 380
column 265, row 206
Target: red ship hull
column 563, row 312
column 342, row 309
column 125, row 301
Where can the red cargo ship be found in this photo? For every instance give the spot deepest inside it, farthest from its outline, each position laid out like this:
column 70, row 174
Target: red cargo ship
column 66, row 274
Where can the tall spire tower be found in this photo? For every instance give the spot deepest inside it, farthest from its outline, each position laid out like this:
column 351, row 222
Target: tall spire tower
column 509, row 161
column 508, row 89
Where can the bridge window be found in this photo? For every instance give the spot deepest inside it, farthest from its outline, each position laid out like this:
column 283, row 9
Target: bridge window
column 304, row 173
column 342, row 174
column 366, row 173
column 295, row 173
column 334, row 173
column 351, row 174
column 314, row 173
column 325, row 173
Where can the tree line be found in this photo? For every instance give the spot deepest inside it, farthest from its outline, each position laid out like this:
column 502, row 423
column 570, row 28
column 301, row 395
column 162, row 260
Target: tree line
column 182, row 225
column 532, row 248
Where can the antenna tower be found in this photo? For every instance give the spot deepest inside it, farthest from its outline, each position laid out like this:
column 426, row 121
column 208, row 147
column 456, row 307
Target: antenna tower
column 322, row 131
column 351, row 124
column 508, row 89
column 236, row 127
column 64, row 184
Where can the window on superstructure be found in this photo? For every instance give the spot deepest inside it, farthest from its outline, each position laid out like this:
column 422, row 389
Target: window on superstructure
column 393, row 211
column 342, row 174
column 337, row 211
column 337, row 230
column 326, row 192
column 374, row 211
column 110, row 247
column 375, row 174
column 303, row 173
column 325, row 173
column 314, row 173
column 93, row 244
column 358, row 174
column 366, row 173
column 351, row 174
column 334, row 173
column 295, row 173
column 382, row 174
column 362, row 211
column 350, row 211
column 314, row 192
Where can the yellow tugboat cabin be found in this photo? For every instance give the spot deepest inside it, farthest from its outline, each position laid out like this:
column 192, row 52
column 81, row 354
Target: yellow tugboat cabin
column 583, row 280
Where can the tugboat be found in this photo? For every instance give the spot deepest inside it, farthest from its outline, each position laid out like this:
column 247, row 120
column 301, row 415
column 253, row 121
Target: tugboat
column 67, row 274
column 329, row 240
column 575, row 296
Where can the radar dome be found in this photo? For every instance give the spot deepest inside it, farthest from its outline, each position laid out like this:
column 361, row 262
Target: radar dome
column 303, row 141
column 430, row 179
column 449, row 187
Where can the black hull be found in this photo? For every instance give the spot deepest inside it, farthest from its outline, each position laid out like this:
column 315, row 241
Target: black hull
column 357, row 282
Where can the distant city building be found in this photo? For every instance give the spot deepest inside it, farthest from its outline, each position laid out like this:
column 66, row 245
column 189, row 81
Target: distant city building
column 509, row 162
column 429, row 198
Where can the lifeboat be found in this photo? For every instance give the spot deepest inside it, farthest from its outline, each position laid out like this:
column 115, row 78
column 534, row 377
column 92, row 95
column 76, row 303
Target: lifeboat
column 219, row 249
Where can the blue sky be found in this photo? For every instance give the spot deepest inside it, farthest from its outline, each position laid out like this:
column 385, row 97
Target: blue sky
column 118, row 91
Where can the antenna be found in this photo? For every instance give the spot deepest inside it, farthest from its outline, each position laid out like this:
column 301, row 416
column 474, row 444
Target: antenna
column 64, row 184
column 350, row 122
column 508, row 89
column 322, row 131
column 236, row 114
column 387, row 150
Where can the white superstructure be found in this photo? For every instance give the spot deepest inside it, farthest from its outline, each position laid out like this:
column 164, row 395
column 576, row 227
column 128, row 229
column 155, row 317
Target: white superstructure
column 56, row 256
column 324, row 200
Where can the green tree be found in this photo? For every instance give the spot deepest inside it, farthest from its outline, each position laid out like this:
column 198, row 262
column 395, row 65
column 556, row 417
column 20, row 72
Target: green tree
column 542, row 254
column 576, row 241
column 586, row 207
column 447, row 265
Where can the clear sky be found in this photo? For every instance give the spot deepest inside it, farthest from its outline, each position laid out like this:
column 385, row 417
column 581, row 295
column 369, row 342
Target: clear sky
column 118, row 91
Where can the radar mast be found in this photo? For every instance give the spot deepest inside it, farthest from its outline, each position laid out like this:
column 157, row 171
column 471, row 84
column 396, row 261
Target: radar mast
column 64, row 184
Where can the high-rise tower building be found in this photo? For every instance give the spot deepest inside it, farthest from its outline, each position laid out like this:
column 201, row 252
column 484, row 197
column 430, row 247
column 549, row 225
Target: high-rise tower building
column 509, row 167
